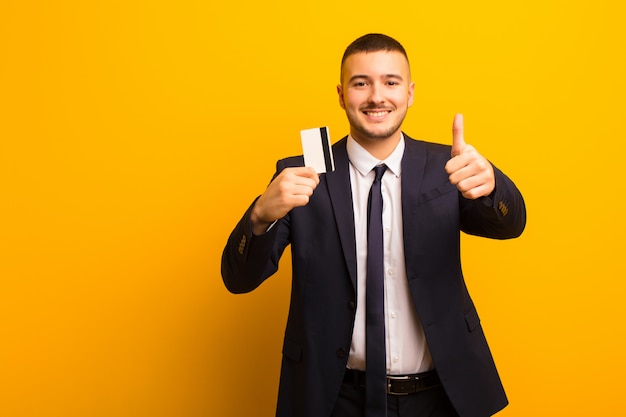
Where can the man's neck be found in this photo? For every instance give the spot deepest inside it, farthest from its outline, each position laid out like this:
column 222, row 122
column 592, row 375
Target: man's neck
column 379, row 148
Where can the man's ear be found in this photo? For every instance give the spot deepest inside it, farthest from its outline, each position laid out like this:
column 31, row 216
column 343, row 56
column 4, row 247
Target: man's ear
column 411, row 93
column 340, row 93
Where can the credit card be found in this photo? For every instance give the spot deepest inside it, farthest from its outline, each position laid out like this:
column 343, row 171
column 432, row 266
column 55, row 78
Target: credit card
column 317, row 151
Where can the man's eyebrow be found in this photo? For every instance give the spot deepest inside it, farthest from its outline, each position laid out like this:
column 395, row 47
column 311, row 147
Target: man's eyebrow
column 367, row 77
column 359, row 76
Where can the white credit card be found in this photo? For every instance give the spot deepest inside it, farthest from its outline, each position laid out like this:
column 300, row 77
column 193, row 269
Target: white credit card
column 317, row 151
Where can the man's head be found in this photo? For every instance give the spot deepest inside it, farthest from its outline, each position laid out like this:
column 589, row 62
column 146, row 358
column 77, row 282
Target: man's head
column 376, row 88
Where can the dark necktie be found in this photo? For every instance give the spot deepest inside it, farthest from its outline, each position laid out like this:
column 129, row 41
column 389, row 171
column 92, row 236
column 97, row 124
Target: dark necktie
column 375, row 353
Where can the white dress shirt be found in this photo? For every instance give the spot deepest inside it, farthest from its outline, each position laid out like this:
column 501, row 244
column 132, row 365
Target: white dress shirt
column 407, row 351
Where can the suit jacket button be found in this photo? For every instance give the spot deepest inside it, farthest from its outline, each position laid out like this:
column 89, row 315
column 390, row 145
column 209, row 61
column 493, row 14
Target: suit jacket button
column 351, row 305
column 504, row 210
column 242, row 244
column 341, row 352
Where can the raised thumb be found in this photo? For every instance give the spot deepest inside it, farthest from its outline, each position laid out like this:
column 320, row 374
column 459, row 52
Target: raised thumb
column 458, row 139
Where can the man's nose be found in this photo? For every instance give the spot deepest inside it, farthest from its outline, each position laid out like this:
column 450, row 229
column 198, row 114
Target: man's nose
column 376, row 94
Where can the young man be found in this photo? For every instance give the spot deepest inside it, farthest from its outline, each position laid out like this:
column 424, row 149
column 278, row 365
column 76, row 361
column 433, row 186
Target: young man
column 394, row 270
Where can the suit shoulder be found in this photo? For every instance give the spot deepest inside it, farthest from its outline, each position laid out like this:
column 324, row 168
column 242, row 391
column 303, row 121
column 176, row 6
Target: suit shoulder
column 290, row 162
column 341, row 143
column 426, row 146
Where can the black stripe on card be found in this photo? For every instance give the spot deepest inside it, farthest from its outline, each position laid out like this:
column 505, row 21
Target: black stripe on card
column 326, row 149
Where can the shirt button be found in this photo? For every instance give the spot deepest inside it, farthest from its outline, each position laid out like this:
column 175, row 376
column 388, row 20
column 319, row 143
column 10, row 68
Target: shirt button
column 396, row 358
column 390, row 271
column 393, row 315
column 388, row 229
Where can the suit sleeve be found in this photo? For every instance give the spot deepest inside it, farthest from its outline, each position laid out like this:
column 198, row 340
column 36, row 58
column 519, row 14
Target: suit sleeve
column 250, row 259
column 502, row 215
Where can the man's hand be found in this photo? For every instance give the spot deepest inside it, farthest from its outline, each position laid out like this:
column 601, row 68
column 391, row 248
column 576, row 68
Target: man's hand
column 469, row 171
column 291, row 188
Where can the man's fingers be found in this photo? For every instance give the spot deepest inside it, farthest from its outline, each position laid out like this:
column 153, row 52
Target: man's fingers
column 461, row 160
column 458, row 139
column 301, row 176
column 303, row 173
column 294, row 186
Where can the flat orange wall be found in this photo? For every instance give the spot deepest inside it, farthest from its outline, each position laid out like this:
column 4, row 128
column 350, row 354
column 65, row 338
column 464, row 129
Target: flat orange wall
column 133, row 134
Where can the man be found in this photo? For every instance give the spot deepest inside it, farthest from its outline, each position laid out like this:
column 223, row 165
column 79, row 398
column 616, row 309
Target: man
column 433, row 349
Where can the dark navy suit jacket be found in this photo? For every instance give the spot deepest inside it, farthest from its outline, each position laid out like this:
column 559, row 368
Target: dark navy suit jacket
column 323, row 298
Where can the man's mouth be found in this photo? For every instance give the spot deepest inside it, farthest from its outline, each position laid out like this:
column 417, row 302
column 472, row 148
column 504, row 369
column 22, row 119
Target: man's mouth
column 376, row 113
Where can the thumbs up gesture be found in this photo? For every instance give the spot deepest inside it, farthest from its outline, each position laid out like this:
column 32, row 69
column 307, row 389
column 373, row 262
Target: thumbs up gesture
column 468, row 170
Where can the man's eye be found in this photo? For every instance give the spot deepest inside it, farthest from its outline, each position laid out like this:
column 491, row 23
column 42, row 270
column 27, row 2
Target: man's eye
column 393, row 83
column 360, row 84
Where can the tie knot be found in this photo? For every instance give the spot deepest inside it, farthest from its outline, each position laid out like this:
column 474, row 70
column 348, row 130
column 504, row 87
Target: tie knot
column 379, row 170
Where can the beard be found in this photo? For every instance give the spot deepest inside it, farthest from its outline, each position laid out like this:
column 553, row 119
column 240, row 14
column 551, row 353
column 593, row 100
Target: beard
column 365, row 132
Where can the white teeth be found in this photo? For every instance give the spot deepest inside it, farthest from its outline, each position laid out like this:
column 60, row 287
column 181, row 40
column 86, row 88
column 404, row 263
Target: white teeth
column 376, row 114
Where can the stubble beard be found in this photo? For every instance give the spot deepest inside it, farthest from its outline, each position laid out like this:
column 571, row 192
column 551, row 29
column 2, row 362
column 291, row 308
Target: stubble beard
column 367, row 134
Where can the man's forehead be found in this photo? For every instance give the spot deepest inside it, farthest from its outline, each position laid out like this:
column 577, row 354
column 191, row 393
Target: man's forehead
column 375, row 63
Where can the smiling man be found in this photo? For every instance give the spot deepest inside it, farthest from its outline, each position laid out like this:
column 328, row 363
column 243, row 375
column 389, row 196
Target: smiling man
column 380, row 322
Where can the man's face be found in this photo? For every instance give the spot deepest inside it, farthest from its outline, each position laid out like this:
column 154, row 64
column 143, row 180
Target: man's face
column 375, row 91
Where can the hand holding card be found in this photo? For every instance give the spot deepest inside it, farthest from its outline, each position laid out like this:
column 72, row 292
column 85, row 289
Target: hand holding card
column 318, row 153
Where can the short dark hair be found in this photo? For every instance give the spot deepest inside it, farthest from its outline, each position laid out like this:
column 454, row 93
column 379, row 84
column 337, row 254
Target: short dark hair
column 373, row 42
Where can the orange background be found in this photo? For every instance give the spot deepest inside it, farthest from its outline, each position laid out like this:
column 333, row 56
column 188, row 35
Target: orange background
column 133, row 135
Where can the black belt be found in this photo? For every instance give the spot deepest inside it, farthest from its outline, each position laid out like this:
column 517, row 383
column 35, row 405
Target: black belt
column 397, row 384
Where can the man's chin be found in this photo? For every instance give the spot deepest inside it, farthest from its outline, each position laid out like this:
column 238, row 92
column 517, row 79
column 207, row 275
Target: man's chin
column 376, row 135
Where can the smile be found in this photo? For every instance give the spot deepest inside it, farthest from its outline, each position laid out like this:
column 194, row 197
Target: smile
column 376, row 113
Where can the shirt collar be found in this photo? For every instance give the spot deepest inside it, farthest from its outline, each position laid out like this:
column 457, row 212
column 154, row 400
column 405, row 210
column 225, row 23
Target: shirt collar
column 364, row 162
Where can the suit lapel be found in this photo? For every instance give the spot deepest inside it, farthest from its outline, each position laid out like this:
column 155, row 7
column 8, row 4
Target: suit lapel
column 413, row 164
column 339, row 189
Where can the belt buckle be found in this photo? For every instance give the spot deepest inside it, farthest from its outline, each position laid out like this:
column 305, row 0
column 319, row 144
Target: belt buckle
column 391, row 378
